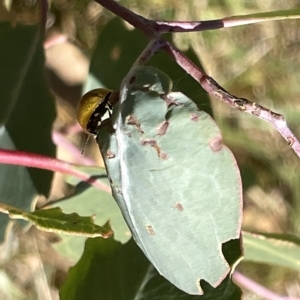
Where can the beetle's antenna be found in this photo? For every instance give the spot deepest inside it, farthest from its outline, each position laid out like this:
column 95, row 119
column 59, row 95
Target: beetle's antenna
column 86, row 142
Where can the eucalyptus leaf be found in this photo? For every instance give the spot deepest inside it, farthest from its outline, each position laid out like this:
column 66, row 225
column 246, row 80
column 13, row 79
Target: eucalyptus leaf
column 177, row 184
column 26, row 115
column 275, row 249
column 54, row 220
column 87, row 200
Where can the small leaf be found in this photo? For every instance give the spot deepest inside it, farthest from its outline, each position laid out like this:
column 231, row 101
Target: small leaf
column 276, row 249
column 27, row 107
column 54, row 220
column 87, row 200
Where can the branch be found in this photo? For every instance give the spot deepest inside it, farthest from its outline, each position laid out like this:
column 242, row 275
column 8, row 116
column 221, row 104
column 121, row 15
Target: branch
column 258, row 289
column 194, row 26
column 26, row 159
column 207, row 82
column 60, row 140
column 252, row 108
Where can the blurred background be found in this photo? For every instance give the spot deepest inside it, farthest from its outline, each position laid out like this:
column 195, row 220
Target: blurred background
column 258, row 62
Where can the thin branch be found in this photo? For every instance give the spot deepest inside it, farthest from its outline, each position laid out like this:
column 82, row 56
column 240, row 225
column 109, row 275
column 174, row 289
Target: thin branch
column 127, row 15
column 194, row 26
column 207, row 82
column 257, row 288
column 178, row 26
column 153, row 46
column 60, row 140
column 252, row 108
column 26, row 159
column 244, row 105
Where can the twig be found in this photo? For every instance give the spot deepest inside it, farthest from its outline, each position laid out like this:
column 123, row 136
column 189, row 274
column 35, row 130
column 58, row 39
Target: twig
column 26, row 159
column 258, row 289
column 60, row 140
column 252, row 108
column 153, row 46
column 175, row 26
column 192, row 26
column 207, row 82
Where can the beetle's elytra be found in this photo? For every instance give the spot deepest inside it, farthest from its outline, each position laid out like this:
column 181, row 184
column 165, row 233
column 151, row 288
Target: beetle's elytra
column 91, row 108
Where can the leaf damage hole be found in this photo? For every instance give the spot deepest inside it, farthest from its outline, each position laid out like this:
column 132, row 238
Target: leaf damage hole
column 150, row 230
column 132, row 120
column 153, row 144
column 179, row 206
column 216, row 144
column 162, row 128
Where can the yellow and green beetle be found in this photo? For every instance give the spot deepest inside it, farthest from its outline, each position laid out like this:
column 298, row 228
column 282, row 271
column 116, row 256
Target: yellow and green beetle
column 92, row 107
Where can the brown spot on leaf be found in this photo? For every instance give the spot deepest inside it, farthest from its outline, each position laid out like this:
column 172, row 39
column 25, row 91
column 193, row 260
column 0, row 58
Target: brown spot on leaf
column 132, row 120
column 153, row 144
column 194, row 117
column 216, row 144
column 179, row 206
column 150, row 230
column 169, row 101
column 163, row 155
column 162, row 128
column 110, row 154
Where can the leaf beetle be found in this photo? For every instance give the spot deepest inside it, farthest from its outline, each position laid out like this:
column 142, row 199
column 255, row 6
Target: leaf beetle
column 92, row 107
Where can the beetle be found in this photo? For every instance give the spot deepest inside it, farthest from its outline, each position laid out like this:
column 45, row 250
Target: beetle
column 92, row 107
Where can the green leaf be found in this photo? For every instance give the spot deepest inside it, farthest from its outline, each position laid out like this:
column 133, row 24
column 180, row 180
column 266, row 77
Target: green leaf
column 27, row 108
column 176, row 183
column 275, row 249
column 16, row 186
column 54, row 220
column 111, row 270
column 27, row 113
column 88, row 200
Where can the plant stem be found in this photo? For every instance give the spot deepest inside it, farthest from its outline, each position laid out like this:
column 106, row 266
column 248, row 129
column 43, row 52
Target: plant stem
column 149, row 28
column 258, row 289
column 26, row 159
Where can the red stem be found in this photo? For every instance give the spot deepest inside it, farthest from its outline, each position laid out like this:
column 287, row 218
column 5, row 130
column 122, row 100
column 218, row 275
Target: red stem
column 26, row 159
